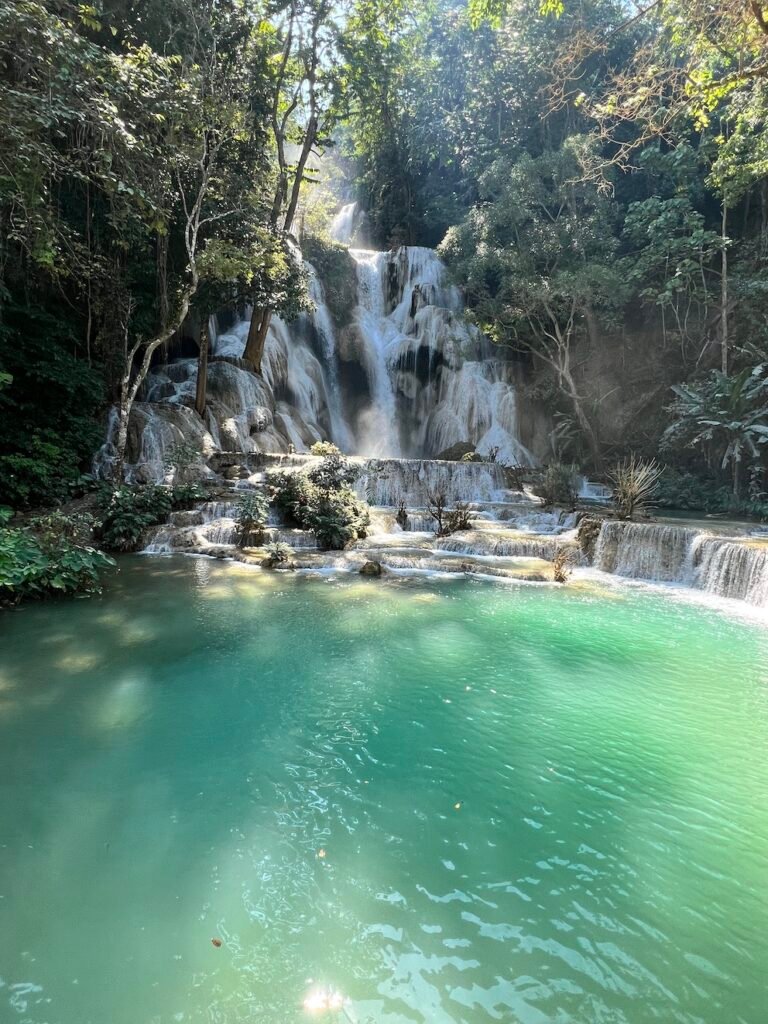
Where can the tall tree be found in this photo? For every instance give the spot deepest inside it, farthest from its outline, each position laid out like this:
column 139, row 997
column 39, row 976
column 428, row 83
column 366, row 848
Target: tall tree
column 305, row 91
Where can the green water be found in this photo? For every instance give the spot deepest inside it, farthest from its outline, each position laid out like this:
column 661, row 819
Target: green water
column 535, row 804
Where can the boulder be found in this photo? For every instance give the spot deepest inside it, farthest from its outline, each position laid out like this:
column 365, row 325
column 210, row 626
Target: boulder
column 456, row 452
column 371, row 569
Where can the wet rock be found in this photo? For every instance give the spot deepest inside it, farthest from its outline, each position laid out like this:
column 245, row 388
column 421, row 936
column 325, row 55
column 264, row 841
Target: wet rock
column 588, row 532
column 371, row 569
column 456, row 452
column 188, row 517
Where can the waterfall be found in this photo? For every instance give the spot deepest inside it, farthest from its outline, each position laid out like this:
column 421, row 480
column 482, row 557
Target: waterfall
column 348, row 224
column 644, row 551
column 732, row 568
column 414, row 481
column 726, row 566
column 433, row 379
column 323, row 324
column 502, row 545
column 377, row 432
column 407, row 377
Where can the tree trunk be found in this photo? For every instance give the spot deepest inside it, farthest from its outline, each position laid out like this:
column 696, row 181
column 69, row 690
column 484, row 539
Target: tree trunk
column 130, row 388
column 724, row 295
column 121, row 443
column 581, row 416
column 736, row 478
column 257, row 337
column 202, row 370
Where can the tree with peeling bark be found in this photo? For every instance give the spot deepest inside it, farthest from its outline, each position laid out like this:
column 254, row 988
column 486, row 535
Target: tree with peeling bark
column 208, row 197
column 305, row 95
column 193, row 178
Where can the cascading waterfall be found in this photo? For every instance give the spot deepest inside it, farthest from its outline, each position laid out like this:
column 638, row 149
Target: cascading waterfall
column 725, row 566
column 388, row 482
column 407, row 377
column 732, row 569
column 644, row 551
column 433, row 379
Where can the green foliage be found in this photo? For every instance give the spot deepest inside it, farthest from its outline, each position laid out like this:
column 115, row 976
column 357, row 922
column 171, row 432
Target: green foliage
column 725, row 416
column 558, row 486
column 181, row 459
column 322, row 500
column 48, row 410
column 635, row 482
column 278, row 553
column 336, row 270
column 689, row 492
column 672, row 263
column 128, row 512
column 333, row 473
column 186, row 495
column 51, row 555
column 251, row 517
column 57, row 528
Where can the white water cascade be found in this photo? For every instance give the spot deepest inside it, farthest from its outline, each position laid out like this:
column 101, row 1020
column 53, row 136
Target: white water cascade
column 722, row 565
column 406, row 377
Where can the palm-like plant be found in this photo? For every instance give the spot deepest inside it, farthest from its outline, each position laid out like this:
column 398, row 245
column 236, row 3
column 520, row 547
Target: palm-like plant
column 634, row 485
column 728, row 413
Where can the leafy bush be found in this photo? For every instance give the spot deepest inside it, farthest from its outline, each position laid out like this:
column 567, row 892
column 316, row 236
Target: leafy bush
column 49, row 406
column 725, row 416
column 181, row 459
column 54, row 528
column 558, row 486
column 334, row 472
column 686, row 491
column 251, row 517
column 186, row 495
column 129, row 511
column 323, row 501
column 337, row 517
column 324, row 448
column 278, row 553
column 635, row 481
column 48, row 557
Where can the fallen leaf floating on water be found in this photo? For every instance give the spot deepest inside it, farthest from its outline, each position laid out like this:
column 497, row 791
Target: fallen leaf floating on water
column 321, row 853
column 216, row 942
column 457, row 806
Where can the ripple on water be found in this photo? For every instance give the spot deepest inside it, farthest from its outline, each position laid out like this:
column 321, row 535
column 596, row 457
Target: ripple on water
column 433, row 802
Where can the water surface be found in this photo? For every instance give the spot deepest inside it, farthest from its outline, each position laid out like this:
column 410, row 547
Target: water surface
column 448, row 801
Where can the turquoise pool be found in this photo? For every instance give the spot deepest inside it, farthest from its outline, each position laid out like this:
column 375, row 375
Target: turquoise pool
column 389, row 801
